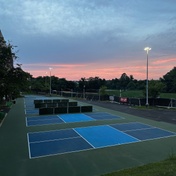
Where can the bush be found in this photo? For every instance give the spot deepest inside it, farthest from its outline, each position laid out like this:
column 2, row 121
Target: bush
column 9, row 104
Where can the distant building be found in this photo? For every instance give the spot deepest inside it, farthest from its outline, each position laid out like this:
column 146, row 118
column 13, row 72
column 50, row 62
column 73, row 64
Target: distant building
column 9, row 55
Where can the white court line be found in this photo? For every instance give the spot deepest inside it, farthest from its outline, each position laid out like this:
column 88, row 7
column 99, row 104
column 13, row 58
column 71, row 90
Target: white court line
column 26, row 121
column 84, row 139
column 90, row 118
column 139, row 129
column 68, row 152
column 52, row 140
column 138, row 140
column 158, row 128
column 44, row 124
column 50, row 131
column 62, row 119
column 30, row 119
column 100, row 114
column 29, row 149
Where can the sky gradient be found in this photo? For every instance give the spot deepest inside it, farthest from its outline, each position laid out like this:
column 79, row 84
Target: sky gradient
column 88, row 38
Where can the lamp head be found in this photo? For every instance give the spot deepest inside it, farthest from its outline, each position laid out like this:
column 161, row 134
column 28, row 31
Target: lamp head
column 147, row 49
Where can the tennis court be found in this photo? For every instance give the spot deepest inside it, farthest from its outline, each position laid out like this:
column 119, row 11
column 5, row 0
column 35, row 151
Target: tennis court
column 48, row 143
column 69, row 118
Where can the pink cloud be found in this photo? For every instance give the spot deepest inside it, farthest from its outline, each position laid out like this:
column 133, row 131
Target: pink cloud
column 165, row 61
column 137, row 68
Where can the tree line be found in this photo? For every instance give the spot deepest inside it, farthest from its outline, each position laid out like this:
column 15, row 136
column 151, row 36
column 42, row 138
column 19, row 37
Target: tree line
column 93, row 84
column 13, row 80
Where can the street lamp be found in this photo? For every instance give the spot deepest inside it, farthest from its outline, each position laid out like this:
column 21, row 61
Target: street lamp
column 50, row 79
column 84, row 92
column 147, row 49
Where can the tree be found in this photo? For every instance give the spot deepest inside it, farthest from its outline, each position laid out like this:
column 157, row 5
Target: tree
column 169, row 79
column 154, row 89
column 131, row 85
column 91, row 84
column 103, row 90
column 124, row 81
column 12, row 80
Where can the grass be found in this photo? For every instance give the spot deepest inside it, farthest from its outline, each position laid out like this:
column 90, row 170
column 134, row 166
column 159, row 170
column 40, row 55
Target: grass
column 129, row 93
column 168, row 95
column 137, row 94
column 163, row 168
column 9, row 104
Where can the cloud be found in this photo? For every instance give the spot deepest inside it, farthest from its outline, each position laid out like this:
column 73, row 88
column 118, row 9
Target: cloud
column 104, row 37
column 69, row 17
column 165, row 61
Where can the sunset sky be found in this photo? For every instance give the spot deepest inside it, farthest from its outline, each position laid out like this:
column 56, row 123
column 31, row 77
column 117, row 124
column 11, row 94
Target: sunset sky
column 88, row 38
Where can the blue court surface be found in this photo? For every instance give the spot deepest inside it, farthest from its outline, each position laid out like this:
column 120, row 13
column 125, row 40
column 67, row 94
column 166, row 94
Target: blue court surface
column 68, row 118
column 31, row 111
column 43, row 120
column 42, row 144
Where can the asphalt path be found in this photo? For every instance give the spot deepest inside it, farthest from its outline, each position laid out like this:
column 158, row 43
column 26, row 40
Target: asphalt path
column 158, row 114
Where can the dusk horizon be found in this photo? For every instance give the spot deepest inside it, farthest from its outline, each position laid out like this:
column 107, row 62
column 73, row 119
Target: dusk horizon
column 82, row 39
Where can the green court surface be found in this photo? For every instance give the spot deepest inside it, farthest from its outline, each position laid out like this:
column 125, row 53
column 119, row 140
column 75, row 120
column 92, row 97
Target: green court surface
column 14, row 154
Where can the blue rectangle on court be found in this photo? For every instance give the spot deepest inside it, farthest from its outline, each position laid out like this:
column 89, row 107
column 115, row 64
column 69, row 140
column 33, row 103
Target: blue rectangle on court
column 52, row 135
column 31, row 111
column 75, row 118
column 102, row 116
column 130, row 126
column 55, row 142
column 43, row 120
column 152, row 133
column 43, row 117
column 103, row 136
column 47, row 148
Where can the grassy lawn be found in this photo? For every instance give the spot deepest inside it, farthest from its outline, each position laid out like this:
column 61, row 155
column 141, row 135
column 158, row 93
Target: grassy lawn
column 137, row 94
column 129, row 93
column 163, row 168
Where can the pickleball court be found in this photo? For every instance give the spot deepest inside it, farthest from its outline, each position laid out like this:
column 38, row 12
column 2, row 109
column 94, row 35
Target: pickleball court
column 48, row 143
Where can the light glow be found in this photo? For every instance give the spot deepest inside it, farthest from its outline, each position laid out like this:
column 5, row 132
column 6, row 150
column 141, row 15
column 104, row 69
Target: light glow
column 147, row 49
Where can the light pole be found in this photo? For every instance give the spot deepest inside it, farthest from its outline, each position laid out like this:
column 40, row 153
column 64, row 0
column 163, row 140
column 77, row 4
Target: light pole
column 46, row 80
column 147, row 49
column 50, row 79
column 84, row 92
